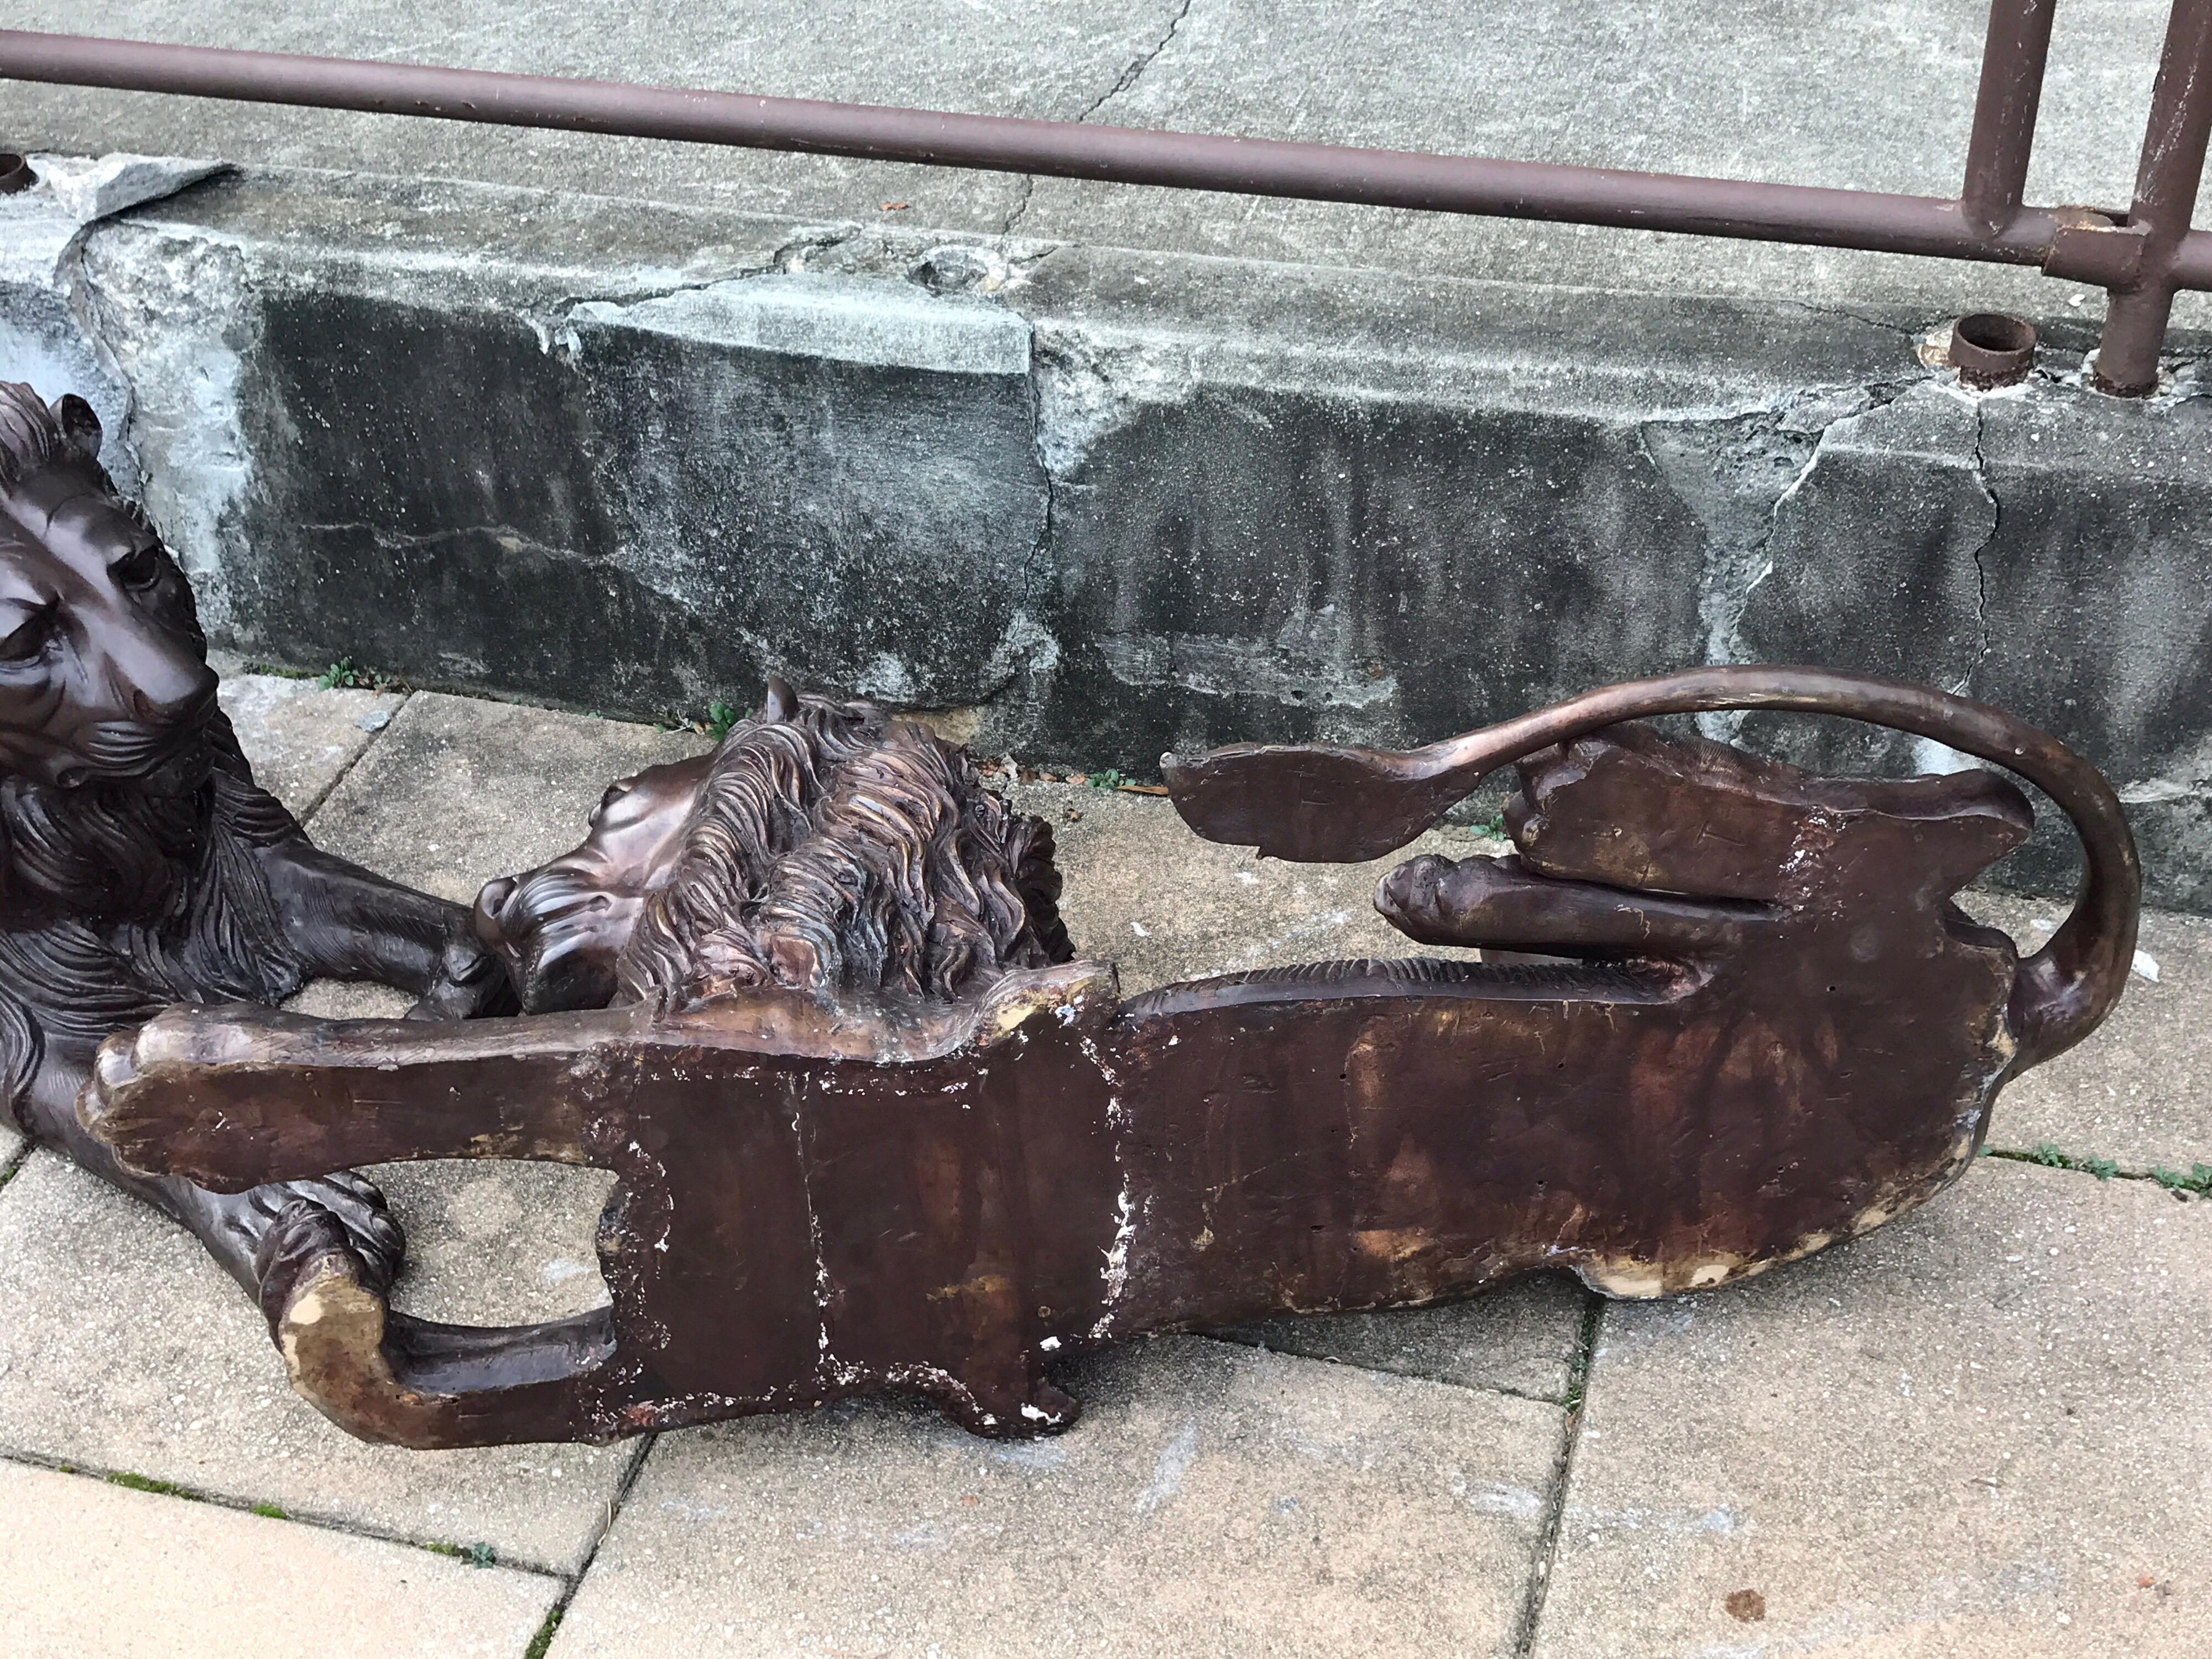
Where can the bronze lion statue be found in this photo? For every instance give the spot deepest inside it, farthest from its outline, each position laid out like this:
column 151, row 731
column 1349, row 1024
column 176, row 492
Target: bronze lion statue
column 142, row 866
column 872, row 1132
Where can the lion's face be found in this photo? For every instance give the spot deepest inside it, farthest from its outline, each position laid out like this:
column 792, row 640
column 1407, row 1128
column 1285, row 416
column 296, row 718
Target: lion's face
column 559, row 928
column 103, row 669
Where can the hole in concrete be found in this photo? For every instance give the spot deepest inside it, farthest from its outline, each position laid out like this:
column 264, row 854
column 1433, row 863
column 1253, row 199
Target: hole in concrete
column 16, row 173
column 1990, row 348
column 492, row 1243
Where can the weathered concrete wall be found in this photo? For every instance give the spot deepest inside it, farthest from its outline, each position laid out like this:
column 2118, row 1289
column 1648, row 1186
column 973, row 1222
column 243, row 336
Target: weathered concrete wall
column 633, row 458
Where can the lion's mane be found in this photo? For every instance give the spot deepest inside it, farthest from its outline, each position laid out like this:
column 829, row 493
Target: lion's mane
column 117, row 899
column 843, row 849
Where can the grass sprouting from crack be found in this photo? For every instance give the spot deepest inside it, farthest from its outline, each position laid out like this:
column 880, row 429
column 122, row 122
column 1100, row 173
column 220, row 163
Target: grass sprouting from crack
column 143, row 1483
column 2051, row 1158
column 477, row 1555
column 543, row 1639
column 2197, row 1183
column 343, row 675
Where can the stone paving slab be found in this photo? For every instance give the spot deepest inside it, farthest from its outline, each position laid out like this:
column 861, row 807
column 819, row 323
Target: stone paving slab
column 124, row 1348
column 992, row 58
column 1864, row 96
column 1858, row 97
column 92, row 1571
column 1214, row 1500
column 2139, row 1091
column 1979, row 1431
column 459, row 790
column 304, row 737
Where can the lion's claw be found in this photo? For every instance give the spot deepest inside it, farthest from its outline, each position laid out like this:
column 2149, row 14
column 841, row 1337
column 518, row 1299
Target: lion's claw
column 472, row 982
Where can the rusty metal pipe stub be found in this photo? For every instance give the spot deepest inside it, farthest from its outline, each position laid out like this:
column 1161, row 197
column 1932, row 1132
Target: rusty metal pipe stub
column 1990, row 349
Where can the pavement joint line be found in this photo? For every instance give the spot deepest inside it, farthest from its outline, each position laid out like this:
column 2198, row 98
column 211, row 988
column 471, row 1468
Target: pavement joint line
column 11, row 1164
column 131, row 1481
column 546, row 1631
column 2047, row 1155
column 307, row 815
column 1554, row 1400
column 1563, row 1474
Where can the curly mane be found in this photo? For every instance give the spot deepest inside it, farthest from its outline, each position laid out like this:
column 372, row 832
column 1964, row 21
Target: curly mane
column 844, row 849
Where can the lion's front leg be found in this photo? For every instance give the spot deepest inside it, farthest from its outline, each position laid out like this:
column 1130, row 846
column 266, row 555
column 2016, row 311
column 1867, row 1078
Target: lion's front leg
column 346, row 922
column 1497, row 905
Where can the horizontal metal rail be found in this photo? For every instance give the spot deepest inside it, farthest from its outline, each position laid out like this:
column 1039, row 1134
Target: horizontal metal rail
column 2142, row 256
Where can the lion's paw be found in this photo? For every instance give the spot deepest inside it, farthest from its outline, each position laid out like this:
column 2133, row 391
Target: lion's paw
column 341, row 1219
column 471, row 980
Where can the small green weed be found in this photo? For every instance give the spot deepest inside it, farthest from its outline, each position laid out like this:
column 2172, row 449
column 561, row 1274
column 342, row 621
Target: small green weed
column 1494, row 828
column 270, row 1512
column 2197, row 1181
column 1109, row 778
column 2051, row 1158
column 343, row 675
column 140, row 1483
column 720, row 717
column 477, row 1555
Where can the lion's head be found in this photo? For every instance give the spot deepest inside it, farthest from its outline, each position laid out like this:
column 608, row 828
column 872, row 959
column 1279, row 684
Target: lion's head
column 109, row 730
column 824, row 846
column 103, row 667
column 126, row 809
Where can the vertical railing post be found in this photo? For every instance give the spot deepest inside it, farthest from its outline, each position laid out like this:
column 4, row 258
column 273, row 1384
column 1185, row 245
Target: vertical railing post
column 2167, row 178
column 2013, row 55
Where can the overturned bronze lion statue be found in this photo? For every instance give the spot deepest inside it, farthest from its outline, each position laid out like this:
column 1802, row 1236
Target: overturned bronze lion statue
column 140, row 865
column 872, row 1131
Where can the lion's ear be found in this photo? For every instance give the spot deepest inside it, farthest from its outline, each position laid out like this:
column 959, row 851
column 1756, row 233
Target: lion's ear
column 79, row 425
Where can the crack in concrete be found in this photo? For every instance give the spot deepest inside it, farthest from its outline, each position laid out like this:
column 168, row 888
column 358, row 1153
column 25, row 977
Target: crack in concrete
column 1129, row 78
column 1981, row 570
column 306, row 815
column 1726, row 468
column 554, row 327
column 1908, row 334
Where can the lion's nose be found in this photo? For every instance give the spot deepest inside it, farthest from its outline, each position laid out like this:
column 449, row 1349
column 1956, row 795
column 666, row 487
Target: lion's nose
column 492, row 899
column 182, row 699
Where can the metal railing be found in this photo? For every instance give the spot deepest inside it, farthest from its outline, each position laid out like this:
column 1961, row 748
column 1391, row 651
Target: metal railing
column 2141, row 256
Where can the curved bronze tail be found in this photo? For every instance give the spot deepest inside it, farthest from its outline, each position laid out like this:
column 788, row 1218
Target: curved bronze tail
column 1330, row 803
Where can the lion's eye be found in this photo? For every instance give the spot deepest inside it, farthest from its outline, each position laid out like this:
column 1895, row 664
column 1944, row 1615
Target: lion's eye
column 139, row 567
column 29, row 637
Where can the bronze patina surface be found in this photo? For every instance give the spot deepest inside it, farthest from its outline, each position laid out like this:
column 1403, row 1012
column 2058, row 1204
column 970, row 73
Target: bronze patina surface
column 140, row 865
column 873, row 1132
